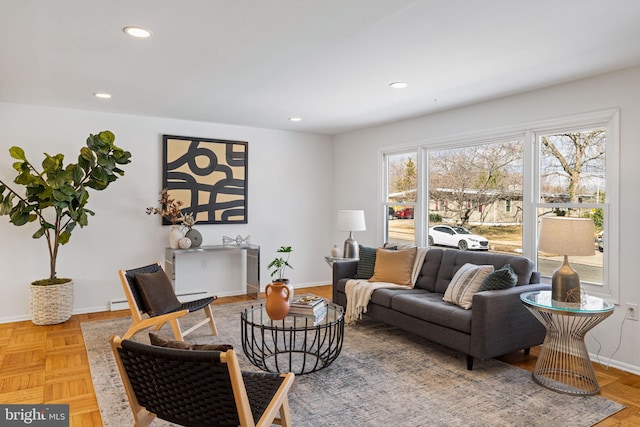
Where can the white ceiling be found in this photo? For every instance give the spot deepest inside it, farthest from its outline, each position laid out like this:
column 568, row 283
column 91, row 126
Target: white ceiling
column 259, row 62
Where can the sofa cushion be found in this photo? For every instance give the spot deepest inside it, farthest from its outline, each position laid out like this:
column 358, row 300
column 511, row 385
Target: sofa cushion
column 428, row 306
column 394, row 266
column 385, row 296
column 366, row 263
column 465, row 283
column 503, row 278
column 429, row 271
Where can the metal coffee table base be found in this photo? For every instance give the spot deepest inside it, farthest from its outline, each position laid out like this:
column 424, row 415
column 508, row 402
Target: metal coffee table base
column 295, row 344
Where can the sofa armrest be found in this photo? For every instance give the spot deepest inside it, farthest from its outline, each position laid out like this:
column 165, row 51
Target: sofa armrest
column 343, row 270
column 501, row 324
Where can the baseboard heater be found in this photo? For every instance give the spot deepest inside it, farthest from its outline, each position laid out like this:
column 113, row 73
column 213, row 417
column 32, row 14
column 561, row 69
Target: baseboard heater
column 122, row 304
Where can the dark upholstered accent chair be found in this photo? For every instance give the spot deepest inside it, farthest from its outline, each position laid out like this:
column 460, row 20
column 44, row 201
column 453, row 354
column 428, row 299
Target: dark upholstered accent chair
column 199, row 388
column 149, row 291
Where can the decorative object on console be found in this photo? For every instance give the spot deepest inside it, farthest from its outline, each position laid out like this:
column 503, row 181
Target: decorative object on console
column 175, row 235
column 351, row 220
column 566, row 236
column 277, row 305
column 184, row 243
column 209, row 175
column 170, row 210
column 55, row 197
column 188, row 221
column 239, row 240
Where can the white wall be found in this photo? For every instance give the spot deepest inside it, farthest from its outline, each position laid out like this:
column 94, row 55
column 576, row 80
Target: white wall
column 614, row 90
column 290, row 202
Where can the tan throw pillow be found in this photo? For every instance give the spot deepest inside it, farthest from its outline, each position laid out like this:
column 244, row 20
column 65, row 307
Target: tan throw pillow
column 394, row 266
column 465, row 283
column 159, row 341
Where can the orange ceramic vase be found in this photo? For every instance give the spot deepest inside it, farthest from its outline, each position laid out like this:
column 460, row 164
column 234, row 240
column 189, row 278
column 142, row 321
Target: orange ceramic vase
column 277, row 305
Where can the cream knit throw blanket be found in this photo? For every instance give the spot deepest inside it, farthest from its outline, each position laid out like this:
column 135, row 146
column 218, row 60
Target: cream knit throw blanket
column 358, row 295
column 359, row 291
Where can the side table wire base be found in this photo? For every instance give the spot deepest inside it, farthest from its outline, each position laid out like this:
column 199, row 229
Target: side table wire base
column 564, row 364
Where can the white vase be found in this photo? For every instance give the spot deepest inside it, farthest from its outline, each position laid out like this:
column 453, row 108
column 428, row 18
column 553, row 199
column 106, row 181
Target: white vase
column 175, row 234
column 336, row 252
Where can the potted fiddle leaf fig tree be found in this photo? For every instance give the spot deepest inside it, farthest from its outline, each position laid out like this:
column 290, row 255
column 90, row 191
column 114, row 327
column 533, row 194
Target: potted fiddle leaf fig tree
column 55, row 196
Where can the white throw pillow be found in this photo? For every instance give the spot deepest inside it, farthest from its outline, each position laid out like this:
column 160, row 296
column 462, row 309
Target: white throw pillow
column 465, row 283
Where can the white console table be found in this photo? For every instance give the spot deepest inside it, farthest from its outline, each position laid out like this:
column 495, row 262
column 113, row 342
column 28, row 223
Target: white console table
column 172, row 263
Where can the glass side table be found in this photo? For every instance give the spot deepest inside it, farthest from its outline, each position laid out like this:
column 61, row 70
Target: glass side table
column 331, row 259
column 564, row 364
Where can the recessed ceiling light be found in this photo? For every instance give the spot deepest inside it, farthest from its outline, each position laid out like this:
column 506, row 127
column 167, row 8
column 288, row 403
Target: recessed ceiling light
column 102, row 95
column 137, row 32
column 295, row 119
column 398, row 85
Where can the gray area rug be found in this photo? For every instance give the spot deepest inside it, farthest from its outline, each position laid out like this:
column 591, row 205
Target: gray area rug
column 383, row 377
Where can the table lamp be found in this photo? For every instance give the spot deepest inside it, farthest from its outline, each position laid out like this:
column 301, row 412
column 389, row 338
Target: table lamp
column 566, row 236
column 351, row 221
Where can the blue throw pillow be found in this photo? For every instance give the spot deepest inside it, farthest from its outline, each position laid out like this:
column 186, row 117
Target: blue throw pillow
column 503, row 278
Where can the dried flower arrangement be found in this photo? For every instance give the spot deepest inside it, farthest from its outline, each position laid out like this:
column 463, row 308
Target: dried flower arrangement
column 170, row 209
column 188, row 221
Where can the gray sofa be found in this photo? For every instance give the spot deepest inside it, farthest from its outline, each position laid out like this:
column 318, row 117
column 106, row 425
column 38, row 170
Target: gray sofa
column 497, row 323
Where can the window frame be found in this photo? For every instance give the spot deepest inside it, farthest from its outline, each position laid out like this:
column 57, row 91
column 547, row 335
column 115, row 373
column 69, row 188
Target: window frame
column 383, row 234
column 527, row 132
column 610, row 120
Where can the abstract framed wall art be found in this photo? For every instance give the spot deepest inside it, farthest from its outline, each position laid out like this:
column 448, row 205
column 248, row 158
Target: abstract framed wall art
column 209, row 176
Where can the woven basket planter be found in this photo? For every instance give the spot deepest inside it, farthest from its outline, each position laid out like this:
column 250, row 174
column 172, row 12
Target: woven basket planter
column 51, row 304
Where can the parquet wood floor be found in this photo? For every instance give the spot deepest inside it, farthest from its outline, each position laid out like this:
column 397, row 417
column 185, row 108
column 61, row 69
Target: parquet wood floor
column 48, row 364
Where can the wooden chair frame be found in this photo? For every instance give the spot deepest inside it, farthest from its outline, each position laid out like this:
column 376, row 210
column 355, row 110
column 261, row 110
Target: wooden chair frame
column 277, row 412
column 141, row 321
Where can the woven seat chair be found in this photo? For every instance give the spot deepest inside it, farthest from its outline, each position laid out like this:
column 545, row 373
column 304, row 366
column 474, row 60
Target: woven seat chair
column 136, row 301
column 199, row 388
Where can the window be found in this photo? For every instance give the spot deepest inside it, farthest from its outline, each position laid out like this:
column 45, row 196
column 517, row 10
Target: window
column 571, row 180
column 474, row 181
column 498, row 184
column 400, row 197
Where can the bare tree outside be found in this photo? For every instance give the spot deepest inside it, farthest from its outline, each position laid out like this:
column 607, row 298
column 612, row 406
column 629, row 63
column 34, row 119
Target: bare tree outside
column 573, row 166
column 470, row 179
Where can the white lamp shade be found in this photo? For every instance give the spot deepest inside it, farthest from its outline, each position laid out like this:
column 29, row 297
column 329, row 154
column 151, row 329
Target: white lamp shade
column 351, row 221
column 566, row 236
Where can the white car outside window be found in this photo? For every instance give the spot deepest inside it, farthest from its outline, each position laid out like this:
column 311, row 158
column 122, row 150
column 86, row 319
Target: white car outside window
column 458, row 237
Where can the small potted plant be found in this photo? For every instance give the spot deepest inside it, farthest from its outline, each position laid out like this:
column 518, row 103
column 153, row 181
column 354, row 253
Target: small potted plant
column 55, row 197
column 279, row 265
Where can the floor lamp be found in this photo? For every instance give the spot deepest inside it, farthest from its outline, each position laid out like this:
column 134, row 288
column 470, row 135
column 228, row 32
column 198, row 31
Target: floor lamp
column 566, row 236
column 351, row 221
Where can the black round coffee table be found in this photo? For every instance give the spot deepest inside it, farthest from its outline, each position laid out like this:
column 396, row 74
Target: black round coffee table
column 298, row 344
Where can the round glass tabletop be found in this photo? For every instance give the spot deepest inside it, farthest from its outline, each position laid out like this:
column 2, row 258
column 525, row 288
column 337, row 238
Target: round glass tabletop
column 587, row 304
